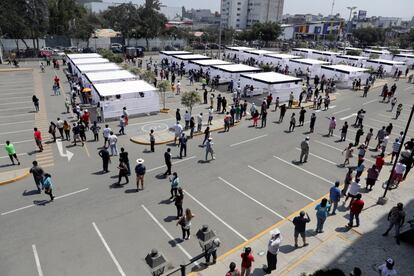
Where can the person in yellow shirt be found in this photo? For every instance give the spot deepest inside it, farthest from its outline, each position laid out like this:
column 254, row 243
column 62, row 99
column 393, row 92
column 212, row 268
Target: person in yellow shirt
column 11, row 151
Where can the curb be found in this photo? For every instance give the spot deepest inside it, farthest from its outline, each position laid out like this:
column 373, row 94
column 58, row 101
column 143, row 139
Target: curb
column 145, row 143
column 17, row 178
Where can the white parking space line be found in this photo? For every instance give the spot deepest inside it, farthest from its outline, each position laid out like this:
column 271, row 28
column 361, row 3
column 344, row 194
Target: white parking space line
column 280, row 183
column 372, row 101
column 347, row 117
column 173, row 163
column 378, row 121
column 13, row 123
column 20, row 142
column 338, row 149
column 17, row 131
column 340, row 111
column 167, row 233
column 36, row 256
column 326, row 160
column 33, row 205
column 20, row 108
column 306, row 171
column 248, row 140
column 14, row 103
column 18, row 97
column 251, row 198
column 14, row 115
column 118, row 266
column 217, row 217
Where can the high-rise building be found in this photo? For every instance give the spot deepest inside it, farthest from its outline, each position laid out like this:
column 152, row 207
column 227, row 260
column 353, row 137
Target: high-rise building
column 239, row 14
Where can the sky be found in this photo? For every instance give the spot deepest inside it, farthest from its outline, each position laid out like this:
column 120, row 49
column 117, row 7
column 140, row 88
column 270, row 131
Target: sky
column 392, row 8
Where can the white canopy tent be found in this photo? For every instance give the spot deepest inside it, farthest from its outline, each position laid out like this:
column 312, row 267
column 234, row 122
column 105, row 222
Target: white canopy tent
column 351, row 60
column 326, row 55
column 407, row 58
column 344, row 74
column 382, row 54
column 389, row 65
column 86, row 55
column 231, row 71
column 276, row 59
column 235, row 52
column 85, row 68
column 169, row 54
column 304, row 52
column 74, row 63
column 205, row 63
column 137, row 96
column 279, row 85
column 313, row 66
column 107, row 76
column 187, row 58
column 257, row 55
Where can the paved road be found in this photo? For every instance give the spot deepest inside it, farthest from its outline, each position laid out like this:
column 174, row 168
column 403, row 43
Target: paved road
column 94, row 228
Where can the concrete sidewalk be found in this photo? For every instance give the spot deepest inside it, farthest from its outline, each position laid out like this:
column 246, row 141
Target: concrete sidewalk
column 339, row 246
column 13, row 176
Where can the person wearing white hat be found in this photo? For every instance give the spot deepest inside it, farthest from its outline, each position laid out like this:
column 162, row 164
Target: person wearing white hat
column 140, row 172
column 387, row 268
column 304, row 150
column 272, row 250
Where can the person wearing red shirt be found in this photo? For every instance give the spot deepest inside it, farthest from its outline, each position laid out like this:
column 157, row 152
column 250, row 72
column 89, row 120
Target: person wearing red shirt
column 57, row 81
column 356, row 208
column 85, row 118
column 379, row 162
column 247, row 259
column 38, row 138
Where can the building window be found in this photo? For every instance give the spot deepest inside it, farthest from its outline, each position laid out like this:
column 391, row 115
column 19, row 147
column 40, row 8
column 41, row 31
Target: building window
column 238, row 14
column 238, row 9
column 238, row 3
column 237, row 19
column 237, row 26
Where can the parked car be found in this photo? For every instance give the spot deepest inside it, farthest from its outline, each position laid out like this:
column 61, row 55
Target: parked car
column 116, row 47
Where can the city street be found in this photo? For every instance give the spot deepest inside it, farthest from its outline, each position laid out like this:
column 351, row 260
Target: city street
column 97, row 228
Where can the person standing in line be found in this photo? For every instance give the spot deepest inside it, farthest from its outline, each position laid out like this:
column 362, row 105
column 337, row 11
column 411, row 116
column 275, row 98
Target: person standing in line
column 380, row 137
column 178, row 129
column 126, row 115
column 206, row 135
column 106, row 133
column 372, row 176
column 59, row 125
column 38, row 174
column 113, row 140
column 187, row 118
column 35, row 101
column 192, row 127
column 67, row 105
column 177, row 115
column 123, row 156
column 277, row 102
column 76, row 133
column 359, row 170
column 11, row 151
column 121, row 125
column 52, row 130
column 369, row 136
column 66, row 129
column 358, row 135
column 199, row 122
column 48, row 186
column 247, row 260
column 175, row 182
column 210, row 116
column 304, row 150
column 322, row 211
column 264, row 118
column 272, row 251
column 123, row 171
column 355, row 210
column 255, row 118
column 396, row 218
column 152, row 140
column 182, row 143
column 384, row 143
column 395, row 148
column 291, row 98
column 140, row 172
column 82, row 133
column 185, row 223
column 227, row 119
column 99, row 114
column 302, row 116
column 353, row 190
column 347, row 181
column 361, row 154
column 332, row 126
column 292, row 123
column 179, row 202
column 38, row 138
column 312, row 123
column 282, row 112
column 95, row 130
column 348, row 153
column 167, row 159
column 335, row 196
column 344, row 131
column 209, row 148
column 300, row 227
column 106, row 159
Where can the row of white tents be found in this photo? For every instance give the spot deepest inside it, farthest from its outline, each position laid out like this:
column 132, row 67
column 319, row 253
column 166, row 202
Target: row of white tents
column 112, row 87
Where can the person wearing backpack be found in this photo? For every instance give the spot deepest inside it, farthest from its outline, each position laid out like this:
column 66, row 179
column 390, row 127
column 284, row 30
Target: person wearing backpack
column 247, row 260
column 322, row 210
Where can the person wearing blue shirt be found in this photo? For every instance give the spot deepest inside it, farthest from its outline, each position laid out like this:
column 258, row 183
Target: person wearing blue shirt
column 335, row 196
column 47, row 186
column 322, row 210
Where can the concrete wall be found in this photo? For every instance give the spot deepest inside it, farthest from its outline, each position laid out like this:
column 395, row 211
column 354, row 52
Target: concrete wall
column 10, row 44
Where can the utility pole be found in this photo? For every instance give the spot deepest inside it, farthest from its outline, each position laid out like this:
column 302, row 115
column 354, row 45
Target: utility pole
column 219, row 40
column 333, row 5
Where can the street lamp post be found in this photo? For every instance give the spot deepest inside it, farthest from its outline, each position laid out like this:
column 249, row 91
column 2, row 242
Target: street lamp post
column 382, row 200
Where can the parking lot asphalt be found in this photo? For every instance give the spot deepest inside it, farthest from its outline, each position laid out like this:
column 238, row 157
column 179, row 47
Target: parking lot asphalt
column 96, row 228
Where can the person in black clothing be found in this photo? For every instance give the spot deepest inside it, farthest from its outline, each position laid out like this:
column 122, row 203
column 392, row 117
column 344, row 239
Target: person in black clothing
column 167, row 158
column 205, row 96
column 206, row 134
column 123, row 172
column 179, row 202
column 123, row 156
column 264, row 118
column 82, row 133
column 282, row 112
column 106, row 159
column 182, row 143
column 224, row 105
column 178, row 115
column 312, row 122
column 302, row 116
column 35, row 101
column 192, row 126
column 219, row 99
column 300, row 227
column 358, row 135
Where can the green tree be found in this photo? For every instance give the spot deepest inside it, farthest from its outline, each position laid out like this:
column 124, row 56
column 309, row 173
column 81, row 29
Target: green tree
column 266, row 32
column 189, row 99
column 36, row 16
column 151, row 22
column 163, row 87
column 63, row 14
column 124, row 18
column 12, row 22
column 369, row 36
